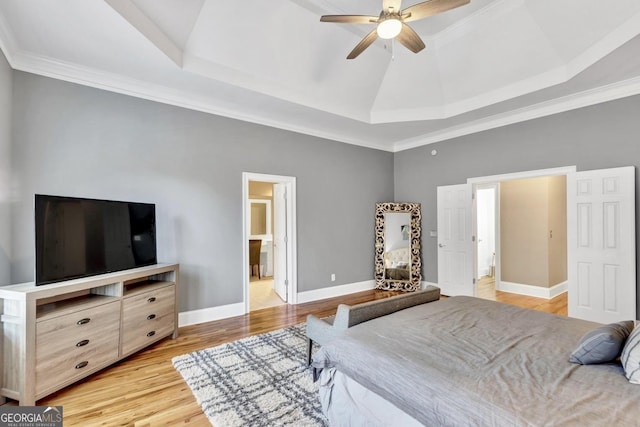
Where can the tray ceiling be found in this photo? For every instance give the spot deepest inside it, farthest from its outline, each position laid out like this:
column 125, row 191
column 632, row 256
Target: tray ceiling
column 486, row 64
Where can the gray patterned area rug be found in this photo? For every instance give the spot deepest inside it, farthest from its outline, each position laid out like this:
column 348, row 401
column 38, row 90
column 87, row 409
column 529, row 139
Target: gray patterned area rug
column 261, row 380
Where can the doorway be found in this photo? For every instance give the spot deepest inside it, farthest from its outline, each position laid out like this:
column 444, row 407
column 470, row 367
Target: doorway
column 600, row 248
column 457, row 232
column 269, row 276
column 530, row 216
column 487, row 229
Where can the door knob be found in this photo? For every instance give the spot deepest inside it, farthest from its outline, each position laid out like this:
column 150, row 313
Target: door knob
column 441, row 245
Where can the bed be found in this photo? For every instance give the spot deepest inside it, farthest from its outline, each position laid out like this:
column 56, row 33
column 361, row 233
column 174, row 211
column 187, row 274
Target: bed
column 467, row 361
column 396, row 264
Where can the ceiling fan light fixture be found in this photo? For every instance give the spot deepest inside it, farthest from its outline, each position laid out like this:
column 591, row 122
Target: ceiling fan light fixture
column 389, row 28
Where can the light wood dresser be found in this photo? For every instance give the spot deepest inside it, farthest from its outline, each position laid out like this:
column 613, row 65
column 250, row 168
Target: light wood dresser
column 54, row 335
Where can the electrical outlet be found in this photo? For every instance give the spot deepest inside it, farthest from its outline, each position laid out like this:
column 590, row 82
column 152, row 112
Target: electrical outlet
column 333, row 277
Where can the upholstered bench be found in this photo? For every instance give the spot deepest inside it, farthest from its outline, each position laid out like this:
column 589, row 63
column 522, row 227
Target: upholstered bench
column 322, row 330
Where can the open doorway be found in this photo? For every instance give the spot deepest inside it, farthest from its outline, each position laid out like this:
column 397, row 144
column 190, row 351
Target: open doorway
column 269, row 240
column 600, row 243
column 486, row 230
column 521, row 229
column 261, row 230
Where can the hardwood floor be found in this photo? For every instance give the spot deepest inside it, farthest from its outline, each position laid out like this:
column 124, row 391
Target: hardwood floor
column 557, row 305
column 145, row 390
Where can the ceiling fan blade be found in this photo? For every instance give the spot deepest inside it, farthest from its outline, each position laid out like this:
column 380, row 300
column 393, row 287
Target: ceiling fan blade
column 364, row 43
column 410, row 39
column 430, row 8
column 349, row 19
column 395, row 4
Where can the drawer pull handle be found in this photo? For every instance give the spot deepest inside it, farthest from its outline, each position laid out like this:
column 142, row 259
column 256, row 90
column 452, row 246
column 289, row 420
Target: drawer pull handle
column 152, row 333
column 152, row 299
column 83, row 321
column 82, row 343
column 151, row 317
column 82, row 365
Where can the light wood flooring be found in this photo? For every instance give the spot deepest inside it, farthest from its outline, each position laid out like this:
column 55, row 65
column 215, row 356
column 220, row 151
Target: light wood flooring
column 557, row 305
column 262, row 295
column 145, row 390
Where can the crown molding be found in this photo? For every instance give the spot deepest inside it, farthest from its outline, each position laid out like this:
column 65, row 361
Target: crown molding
column 111, row 82
column 73, row 73
column 505, row 93
column 586, row 98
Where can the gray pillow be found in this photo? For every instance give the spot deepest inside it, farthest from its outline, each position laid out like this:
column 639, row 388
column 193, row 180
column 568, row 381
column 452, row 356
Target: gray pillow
column 602, row 344
column 630, row 357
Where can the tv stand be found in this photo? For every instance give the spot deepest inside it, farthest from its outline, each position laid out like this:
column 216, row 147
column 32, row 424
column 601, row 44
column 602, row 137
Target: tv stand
column 57, row 334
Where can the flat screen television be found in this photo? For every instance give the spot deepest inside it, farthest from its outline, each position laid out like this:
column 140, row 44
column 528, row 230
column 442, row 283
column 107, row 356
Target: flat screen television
column 84, row 237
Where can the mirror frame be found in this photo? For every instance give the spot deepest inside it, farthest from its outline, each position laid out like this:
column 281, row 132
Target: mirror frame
column 414, row 283
column 268, row 235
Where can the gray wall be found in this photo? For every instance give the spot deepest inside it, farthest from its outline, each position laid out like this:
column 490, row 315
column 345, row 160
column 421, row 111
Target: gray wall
column 602, row 136
column 78, row 141
column 6, row 88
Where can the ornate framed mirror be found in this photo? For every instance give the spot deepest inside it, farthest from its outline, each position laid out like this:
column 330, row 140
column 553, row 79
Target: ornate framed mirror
column 397, row 250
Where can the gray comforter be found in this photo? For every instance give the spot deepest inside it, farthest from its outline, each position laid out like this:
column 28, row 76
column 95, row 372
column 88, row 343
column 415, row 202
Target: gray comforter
column 466, row 361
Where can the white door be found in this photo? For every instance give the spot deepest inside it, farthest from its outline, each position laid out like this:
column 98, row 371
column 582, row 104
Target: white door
column 280, row 279
column 601, row 245
column 455, row 245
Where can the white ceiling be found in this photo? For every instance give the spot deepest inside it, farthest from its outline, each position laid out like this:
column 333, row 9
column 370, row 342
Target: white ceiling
column 486, row 64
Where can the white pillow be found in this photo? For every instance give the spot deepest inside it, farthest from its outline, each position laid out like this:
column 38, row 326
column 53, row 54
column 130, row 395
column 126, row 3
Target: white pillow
column 630, row 357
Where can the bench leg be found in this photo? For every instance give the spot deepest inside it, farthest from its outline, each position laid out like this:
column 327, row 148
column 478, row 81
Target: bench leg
column 309, row 348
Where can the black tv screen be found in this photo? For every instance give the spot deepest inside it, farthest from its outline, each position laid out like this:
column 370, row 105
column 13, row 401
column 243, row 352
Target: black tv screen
column 84, row 237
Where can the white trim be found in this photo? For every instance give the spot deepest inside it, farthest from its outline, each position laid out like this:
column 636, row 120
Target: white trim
column 335, row 291
column 485, row 181
column 574, row 101
column 292, row 266
column 424, row 284
column 531, row 290
column 69, row 72
column 558, row 289
column 267, row 204
column 210, row 314
column 522, row 175
column 61, row 70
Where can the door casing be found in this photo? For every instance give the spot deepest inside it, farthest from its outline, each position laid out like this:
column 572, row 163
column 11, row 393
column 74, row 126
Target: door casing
column 496, row 179
column 292, row 264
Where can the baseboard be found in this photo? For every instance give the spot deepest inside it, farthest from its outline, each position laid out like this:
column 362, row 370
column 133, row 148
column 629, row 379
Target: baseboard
column 335, row 291
column 533, row 291
column 424, row 284
column 558, row 289
column 231, row 310
column 210, row 314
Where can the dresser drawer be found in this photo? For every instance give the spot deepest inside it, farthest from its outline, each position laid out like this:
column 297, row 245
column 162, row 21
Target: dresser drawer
column 60, row 334
column 68, row 363
column 147, row 317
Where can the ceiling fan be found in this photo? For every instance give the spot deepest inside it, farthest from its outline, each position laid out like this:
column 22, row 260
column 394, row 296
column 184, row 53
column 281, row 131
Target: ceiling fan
column 392, row 22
